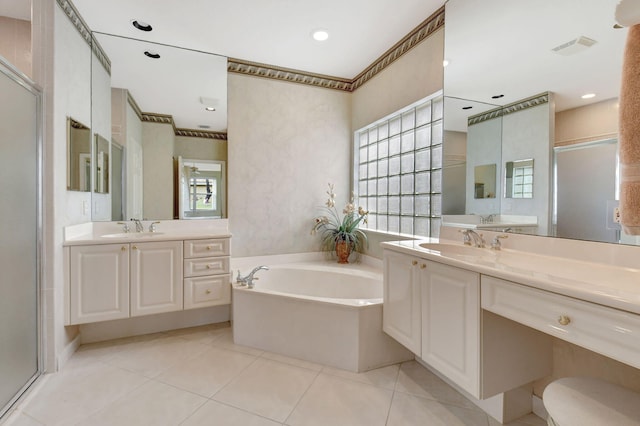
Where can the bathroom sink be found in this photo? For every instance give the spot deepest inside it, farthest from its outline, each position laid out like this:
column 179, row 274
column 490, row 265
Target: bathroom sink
column 455, row 249
column 133, row 235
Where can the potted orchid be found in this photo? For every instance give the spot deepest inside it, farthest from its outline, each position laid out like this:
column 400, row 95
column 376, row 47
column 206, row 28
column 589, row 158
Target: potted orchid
column 341, row 235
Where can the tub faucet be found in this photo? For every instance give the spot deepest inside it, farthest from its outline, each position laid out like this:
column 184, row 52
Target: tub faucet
column 248, row 280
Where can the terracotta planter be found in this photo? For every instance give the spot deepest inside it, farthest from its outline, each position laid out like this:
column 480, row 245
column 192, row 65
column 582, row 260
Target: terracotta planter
column 343, row 250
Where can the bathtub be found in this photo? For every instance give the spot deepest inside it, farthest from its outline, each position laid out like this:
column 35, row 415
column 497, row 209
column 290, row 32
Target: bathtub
column 316, row 311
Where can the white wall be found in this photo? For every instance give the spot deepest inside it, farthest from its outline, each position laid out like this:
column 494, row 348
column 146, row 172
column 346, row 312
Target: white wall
column 484, row 145
column 528, row 134
column 158, row 142
column 101, row 125
column 286, row 142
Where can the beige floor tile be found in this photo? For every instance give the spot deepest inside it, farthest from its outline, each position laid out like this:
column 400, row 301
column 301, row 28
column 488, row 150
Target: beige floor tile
column 20, row 419
column 208, row 372
column 409, row 410
column 267, row 388
column 384, row 377
column 225, row 341
column 71, row 395
column 205, row 334
column 156, row 357
column 292, row 361
column 417, row 380
column 215, row 413
column 528, row 420
column 153, row 403
column 335, row 401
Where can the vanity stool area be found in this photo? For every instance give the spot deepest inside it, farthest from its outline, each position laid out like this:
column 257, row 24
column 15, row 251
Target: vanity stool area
column 484, row 319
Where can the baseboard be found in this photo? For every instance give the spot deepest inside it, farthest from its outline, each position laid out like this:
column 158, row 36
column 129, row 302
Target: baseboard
column 67, row 353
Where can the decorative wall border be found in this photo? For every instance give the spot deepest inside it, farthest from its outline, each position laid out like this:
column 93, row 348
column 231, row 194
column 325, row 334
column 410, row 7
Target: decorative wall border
column 150, row 117
column 421, row 32
column 517, row 106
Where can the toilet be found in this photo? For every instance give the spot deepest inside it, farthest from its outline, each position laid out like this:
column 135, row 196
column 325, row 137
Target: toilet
column 587, row 401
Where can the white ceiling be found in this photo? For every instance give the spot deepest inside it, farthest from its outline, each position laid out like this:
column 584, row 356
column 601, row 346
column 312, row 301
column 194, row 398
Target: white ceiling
column 274, row 32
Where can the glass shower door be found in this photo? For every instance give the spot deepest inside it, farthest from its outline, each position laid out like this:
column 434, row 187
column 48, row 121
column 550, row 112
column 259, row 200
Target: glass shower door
column 19, row 236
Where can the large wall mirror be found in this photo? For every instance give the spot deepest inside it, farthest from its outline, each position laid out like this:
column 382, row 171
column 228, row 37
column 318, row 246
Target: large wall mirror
column 160, row 103
column 78, row 156
column 515, row 84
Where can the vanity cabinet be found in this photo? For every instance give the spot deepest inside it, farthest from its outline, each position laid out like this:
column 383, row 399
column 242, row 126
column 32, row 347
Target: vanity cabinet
column 451, row 322
column 434, row 310
column 206, row 273
column 156, row 277
column 99, row 283
column 402, row 315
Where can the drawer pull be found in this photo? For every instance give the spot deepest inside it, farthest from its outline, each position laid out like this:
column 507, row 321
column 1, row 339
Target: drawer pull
column 564, row 320
column 208, row 291
column 209, row 266
column 414, row 263
column 208, row 247
column 423, row 266
column 123, row 248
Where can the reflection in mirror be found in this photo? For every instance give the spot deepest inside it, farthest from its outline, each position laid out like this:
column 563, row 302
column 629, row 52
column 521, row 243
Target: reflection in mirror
column 78, row 156
column 102, row 164
column 518, row 179
column 534, row 64
column 202, row 186
column 485, row 181
column 157, row 116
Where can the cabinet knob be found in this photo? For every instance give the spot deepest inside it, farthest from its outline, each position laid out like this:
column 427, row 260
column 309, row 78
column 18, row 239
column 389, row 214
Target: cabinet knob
column 414, row 263
column 134, row 248
column 208, row 266
column 208, row 247
column 208, row 291
column 423, row 266
column 123, row 248
column 564, row 320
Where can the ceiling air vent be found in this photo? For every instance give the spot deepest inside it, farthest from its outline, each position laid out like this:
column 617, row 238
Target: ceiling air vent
column 574, row 46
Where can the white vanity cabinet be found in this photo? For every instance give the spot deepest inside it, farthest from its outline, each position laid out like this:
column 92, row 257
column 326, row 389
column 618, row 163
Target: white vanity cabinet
column 402, row 317
column 99, row 283
column 206, row 273
column 156, row 277
column 451, row 322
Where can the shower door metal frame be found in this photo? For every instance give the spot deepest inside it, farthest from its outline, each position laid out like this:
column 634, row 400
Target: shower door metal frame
column 23, row 80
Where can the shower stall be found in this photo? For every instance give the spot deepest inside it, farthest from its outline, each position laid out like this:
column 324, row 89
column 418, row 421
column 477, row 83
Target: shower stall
column 20, row 234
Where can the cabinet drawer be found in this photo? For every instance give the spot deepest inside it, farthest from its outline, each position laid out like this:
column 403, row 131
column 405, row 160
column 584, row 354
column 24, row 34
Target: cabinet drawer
column 206, row 266
column 609, row 331
column 207, row 291
column 206, row 248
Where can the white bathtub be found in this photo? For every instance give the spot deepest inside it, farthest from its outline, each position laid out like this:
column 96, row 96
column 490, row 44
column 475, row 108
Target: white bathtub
column 316, row 311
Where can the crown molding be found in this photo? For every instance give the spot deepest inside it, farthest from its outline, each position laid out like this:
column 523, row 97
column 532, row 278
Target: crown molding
column 205, row 134
column 100, row 54
column 421, row 32
column 254, row 69
column 517, row 106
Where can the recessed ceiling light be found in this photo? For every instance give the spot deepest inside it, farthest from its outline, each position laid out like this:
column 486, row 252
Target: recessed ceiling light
column 210, row 108
column 153, row 55
column 445, row 62
column 142, row 26
column 588, row 96
column 467, row 107
column 497, row 96
column 320, row 34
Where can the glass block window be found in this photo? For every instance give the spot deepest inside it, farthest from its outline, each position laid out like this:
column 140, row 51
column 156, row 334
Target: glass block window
column 398, row 169
column 523, row 180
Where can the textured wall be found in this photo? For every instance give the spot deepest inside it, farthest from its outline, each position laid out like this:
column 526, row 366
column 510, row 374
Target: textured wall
column 15, row 43
column 286, row 141
column 158, row 142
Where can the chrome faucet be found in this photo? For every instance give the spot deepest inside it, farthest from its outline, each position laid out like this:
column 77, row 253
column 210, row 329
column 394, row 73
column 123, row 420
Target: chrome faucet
column 152, row 227
column 139, row 225
column 469, row 235
column 248, row 280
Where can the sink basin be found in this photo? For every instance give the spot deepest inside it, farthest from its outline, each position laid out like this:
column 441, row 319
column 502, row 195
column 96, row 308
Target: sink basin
column 133, row 235
column 454, row 249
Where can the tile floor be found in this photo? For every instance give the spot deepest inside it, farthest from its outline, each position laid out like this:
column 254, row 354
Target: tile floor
column 198, row 376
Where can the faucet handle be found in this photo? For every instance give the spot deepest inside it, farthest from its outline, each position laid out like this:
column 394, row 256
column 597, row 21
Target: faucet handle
column 125, row 226
column 495, row 244
column 152, row 227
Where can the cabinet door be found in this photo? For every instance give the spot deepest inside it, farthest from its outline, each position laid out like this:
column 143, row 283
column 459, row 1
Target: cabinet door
column 156, row 277
column 99, row 283
column 401, row 317
column 451, row 323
